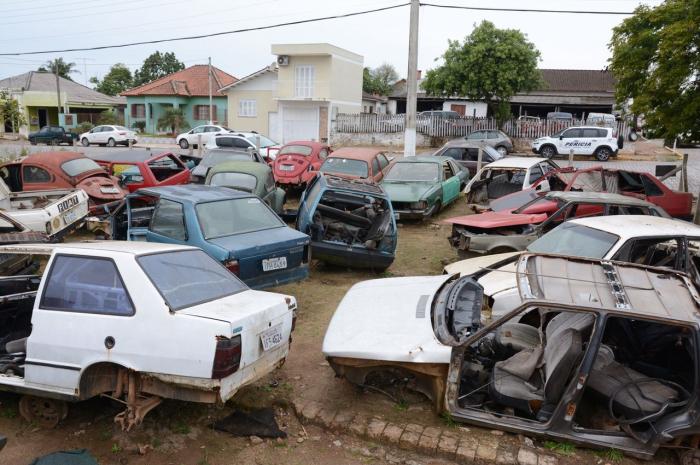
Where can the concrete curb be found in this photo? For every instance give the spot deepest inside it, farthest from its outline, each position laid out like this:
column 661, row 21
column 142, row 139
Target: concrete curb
column 449, row 443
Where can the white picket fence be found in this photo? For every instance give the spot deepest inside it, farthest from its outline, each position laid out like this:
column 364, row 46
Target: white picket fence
column 369, row 123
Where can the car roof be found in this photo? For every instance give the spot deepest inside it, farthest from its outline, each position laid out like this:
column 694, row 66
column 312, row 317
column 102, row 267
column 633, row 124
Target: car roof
column 194, row 193
column 516, row 162
column 52, row 158
column 252, row 167
column 603, row 197
column 308, row 143
column 423, row 159
column 128, row 247
column 356, row 153
column 129, row 156
column 589, row 127
column 630, row 289
column 629, row 226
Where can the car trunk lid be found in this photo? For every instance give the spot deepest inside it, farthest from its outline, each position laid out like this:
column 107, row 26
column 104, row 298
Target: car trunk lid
column 493, row 220
column 291, row 164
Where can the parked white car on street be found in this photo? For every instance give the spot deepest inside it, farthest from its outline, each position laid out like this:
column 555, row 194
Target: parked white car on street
column 138, row 320
column 583, row 140
column 247, row 140
column 206, row 131
column 108, row 135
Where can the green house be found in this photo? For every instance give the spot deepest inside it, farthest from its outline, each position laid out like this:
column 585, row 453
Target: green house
column 187, row 89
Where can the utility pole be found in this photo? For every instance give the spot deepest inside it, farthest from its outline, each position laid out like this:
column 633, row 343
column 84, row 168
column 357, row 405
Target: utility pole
column 409, row 142
column 211, row 118
column 58, row 97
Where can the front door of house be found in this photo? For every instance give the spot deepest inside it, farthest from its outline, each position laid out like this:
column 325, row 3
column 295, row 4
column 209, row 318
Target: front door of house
column 43, row 117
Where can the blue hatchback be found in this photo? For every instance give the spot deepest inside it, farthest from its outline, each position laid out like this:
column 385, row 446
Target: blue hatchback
column 234, row 227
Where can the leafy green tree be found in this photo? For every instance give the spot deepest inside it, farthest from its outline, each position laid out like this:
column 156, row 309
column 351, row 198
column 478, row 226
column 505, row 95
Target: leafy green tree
column 491, row 64
column 60, row 67
column 11, row 111
column 116, row 81
column 156, row 66
column 173, row 119
column 379, row 80
column 656, row 62
column 109, row 117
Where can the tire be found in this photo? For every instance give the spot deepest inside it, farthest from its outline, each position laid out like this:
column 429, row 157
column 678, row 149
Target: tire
column 603, row 153
column 85, row 142
column 548, row 151
column 620, row 141
column 502, row 150
column 633, row 136
column 111, row 143
column 183, row 144
column 33, row 142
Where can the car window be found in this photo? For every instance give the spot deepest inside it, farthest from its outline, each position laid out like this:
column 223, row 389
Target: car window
column 189, row 277
column 96, row 130
column 571, row 133
column 86, row 285
column 492, row 134
column 383, row 162
column 78, row 166
column 264, row 141
column 589, row 132
column 447, row 170
column 602, row 133
column 476, row 135
column 546, row 167
column 574, row 239
column 650, row 187
column 323, row 154
column 235, row 216
column 413, row 171
column 240, row 143
column 34, row 174
column 375, row 166
column 345, row 166
column 242, row 181
column 297, row 150
column 169, row 220
column 654, row 251
column 455, row 152
column 535, row 173
column 269, row 182
column 224, row 141
column 198, row 130
column 212, row 129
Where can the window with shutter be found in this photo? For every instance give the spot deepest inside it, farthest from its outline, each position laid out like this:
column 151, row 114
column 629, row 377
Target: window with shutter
column 304, row 81
column 247, row 108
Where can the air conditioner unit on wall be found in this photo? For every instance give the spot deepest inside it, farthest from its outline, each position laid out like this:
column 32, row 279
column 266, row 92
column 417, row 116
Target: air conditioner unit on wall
column 283, row 60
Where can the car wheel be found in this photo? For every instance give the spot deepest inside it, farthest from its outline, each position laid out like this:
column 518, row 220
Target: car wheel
column 620, row 141
column 502, row 150
column 111, row 142
column 548, row 151
column 184, row 144
column 85, row 142
column 603, row 153
column 633, row 136
column 33, row 142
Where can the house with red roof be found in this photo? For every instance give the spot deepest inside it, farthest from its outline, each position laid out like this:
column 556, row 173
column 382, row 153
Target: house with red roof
column 187, row 89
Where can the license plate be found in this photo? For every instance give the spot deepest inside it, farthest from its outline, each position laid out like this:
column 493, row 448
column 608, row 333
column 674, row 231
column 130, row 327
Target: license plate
column 68, row 204
column 71, row 216
column 109, row 190
column 271, row 264
column 287, row 167
column 271, row 337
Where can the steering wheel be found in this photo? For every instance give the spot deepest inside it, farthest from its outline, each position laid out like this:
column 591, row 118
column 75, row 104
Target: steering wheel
column 652, row 416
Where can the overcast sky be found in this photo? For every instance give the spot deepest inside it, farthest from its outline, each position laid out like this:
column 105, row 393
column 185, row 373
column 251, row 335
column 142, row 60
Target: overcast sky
column 565, row 41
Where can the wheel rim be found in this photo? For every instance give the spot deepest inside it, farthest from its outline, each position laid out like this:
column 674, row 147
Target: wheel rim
column 85, row 142
column 502, row 150
column 183, row 144
column 548, row 152
column 46, row 413
column 603, row 154
column 110, row 143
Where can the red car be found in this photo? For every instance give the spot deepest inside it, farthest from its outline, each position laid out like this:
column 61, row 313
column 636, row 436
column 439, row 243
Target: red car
column 297, row 161
column 137, row 169
column 598, row 179
column 357, row 163
column 63, row 170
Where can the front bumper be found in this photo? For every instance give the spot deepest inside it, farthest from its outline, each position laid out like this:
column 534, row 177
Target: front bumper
column 353, row 257
column 402, row 213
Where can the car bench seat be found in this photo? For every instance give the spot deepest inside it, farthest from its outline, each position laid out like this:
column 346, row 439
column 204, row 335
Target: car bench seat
column 520, row 336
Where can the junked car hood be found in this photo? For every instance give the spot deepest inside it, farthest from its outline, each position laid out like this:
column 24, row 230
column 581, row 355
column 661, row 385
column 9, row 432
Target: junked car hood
column 408, row 191
column 387, row 319
column 267, row 240
column 492, row 220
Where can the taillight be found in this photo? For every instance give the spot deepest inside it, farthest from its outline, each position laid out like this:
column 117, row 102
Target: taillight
column 227, row 357
column 233, row 267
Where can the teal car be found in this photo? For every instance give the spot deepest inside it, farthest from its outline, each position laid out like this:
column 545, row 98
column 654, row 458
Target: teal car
column 420, row 186
column 248, row 176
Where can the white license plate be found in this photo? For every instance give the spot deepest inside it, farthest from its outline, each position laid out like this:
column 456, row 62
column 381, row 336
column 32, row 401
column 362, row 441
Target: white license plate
column 71, row 216
column 109, row 190
column 287, row 167
column 271, row 337
column 271, row 264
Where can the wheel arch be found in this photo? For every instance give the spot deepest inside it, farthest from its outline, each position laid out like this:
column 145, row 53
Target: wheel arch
column 98, row 378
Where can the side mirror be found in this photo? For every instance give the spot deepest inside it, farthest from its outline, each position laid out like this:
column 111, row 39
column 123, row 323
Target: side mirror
column 561, row 137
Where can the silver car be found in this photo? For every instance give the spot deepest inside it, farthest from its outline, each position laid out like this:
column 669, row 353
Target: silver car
column 493, row 138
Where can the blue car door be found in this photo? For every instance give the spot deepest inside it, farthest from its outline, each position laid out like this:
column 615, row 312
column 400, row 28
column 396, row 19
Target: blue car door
column 168, row 223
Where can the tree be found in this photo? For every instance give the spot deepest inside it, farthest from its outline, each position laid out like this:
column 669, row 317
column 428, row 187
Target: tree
column 173, row 119
column 60, row 67
column 11, row 111
column 109, row 117
column 156, row 66
column 379, row 80
column 491, row 64
column 656, row 62
column 116, row 81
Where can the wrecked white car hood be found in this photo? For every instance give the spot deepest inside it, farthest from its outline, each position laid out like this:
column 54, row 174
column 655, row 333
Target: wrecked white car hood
column 387, row 319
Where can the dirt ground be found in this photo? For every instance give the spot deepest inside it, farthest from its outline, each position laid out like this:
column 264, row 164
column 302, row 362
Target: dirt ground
column 178, row 433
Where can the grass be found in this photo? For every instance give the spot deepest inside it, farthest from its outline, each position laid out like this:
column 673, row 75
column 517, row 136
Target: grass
column 116, row 448
column 449, row 421
column 181, row 428
column 9, row 412
column 401, row 406
column 613, row 455
column 563, row 448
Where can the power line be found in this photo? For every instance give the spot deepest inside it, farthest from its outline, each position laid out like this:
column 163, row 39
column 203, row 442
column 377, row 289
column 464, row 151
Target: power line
column 90, row 12
column 528, row 10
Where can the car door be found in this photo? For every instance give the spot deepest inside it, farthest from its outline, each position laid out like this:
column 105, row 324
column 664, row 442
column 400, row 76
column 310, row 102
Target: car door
column 209, row 133
column 569, row 139
column 168, row 223
column 97, row 135
column 590, row 139
column 533, row 174
column 193, row 135
column 450, row 183
column 383, row 163
column 377, row 173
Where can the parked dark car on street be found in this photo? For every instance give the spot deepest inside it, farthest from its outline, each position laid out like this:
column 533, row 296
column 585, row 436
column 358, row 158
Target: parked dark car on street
column 52, row 135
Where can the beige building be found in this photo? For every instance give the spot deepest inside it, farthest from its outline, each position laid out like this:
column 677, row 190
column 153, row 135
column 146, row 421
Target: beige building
column 297, row 97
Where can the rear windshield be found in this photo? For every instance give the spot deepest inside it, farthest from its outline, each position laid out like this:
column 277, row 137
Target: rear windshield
column 414, row 172
column 243, row 181
column 79, row 165
column 235, row 216
column 345, row 166
column 121, row 128
column 575, row 239
column 189, row 277
column 296, row 149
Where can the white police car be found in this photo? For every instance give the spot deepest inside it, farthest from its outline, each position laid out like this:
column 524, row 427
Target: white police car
column 583, row 140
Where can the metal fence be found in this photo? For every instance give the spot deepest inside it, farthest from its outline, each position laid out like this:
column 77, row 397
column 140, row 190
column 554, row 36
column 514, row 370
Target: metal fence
column 368, row 123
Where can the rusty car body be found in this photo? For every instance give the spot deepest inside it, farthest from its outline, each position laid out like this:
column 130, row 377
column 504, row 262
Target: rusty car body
column 296, row 162
column 137, row 169
column 370, row 164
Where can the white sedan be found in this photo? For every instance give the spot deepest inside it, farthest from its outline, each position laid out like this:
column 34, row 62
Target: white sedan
column 205, row 133
column 108, row 135
column 247, row 140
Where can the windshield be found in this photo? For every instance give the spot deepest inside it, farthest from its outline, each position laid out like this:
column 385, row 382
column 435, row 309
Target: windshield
column 296, row 149
column 413, row 172
column 514, row 200
column 79, row 166
column 121, row 128
column 264, row 141
column 345, row 166
column 235, row 216
column 214, row 158
column 575, row 239
column 243, row 181
column 541, row 202
column 190, row 277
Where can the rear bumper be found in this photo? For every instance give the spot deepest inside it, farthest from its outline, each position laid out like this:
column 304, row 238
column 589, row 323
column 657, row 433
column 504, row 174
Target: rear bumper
column 354, row 257
column 288, row 180
column 278, row 278
column 414, row 214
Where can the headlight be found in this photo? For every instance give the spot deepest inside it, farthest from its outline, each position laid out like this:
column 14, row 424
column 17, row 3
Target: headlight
column 419, row 205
